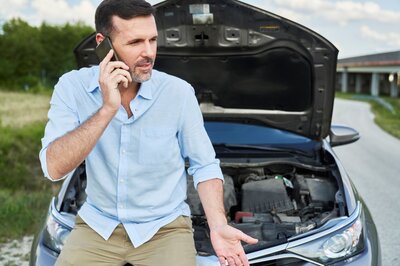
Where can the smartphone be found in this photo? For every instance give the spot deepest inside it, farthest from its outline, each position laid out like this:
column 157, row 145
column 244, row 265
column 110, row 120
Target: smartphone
column 103, row 48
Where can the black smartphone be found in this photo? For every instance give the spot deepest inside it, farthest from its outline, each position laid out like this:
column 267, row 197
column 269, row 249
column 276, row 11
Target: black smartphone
column 103, row 48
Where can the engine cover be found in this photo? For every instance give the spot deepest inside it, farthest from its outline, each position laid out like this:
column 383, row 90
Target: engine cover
column 265, row 196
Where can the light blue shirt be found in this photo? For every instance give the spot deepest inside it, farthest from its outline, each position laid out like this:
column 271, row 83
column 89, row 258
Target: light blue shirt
column 136, row 172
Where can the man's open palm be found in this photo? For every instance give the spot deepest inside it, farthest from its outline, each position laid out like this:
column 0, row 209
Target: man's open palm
column 226, row 243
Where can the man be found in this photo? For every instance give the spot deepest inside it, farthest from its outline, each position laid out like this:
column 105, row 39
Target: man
column 134, row 126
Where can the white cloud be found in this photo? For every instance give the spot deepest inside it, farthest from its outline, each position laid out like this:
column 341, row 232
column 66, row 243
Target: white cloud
column 51, row 11
column 389, row 38
column 303, row 5
column 11, row 8
column 59, row 11
column 290, row 14
column 153, row 2
column 341, row 12
column 350, row 11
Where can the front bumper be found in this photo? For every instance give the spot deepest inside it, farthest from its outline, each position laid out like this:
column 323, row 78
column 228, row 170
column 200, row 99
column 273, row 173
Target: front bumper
column 41, row 255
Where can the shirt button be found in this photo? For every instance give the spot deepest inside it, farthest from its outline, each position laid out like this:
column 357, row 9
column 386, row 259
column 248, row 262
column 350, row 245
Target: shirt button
column 121, row 206
column 123, row 151
column 121, row 180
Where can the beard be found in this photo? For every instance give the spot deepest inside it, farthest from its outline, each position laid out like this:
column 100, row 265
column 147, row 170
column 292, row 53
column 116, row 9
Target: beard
column 140, row 76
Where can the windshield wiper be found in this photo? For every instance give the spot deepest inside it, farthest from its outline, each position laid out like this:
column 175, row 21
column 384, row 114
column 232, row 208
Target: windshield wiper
column 260, row 148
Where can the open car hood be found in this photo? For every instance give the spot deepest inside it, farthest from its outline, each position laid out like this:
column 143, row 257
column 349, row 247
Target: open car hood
column 246, row 63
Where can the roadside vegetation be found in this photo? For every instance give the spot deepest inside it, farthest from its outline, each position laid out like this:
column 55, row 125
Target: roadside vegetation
column 385, row 109
column 32, row 60
column 24, row 193
column 34, row 57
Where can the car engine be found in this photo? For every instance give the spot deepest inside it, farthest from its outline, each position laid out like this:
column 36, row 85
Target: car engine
column 270, row 203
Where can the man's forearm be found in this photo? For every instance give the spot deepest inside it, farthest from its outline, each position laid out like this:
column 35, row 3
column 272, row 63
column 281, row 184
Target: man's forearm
column 68, row 151
column 211, row 194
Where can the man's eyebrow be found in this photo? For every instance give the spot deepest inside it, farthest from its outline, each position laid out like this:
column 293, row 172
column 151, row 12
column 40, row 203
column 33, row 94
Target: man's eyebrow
column 135, row 40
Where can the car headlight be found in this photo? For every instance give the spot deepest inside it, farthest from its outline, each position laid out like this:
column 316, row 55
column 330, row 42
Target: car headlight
column 55, row 234
column 343, row 243
column 336, row 246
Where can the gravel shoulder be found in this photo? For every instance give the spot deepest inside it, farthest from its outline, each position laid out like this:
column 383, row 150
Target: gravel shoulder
column 16, row 252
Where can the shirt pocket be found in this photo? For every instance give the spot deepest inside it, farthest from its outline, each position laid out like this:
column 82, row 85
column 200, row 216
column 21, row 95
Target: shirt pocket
column 157, row 145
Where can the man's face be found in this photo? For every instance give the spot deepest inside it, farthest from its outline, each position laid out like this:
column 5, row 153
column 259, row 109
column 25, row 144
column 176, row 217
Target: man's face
column 135, row 42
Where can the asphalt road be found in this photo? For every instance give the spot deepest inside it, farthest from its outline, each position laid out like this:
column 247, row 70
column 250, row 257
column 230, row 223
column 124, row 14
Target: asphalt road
column 373, row 163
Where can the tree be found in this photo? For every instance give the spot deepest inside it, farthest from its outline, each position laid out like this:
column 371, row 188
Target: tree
column 58, row 43
column 21, row 51
column 37, row 56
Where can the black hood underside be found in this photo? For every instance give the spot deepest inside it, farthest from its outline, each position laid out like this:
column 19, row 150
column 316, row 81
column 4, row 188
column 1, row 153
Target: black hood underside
column 245, row 63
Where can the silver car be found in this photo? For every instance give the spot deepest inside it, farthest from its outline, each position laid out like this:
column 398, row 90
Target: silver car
column 266, row 88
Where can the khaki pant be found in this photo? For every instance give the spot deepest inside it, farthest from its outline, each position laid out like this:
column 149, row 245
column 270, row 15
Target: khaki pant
column 172, row 245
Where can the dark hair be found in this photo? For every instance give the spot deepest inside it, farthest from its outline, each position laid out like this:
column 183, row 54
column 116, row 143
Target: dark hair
column 125, row 9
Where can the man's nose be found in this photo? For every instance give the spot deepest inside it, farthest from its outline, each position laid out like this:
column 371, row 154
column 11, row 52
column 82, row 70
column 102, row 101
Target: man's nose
column 148, row 49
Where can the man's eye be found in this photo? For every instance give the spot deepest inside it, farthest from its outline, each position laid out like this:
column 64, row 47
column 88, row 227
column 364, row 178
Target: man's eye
column 134, row 42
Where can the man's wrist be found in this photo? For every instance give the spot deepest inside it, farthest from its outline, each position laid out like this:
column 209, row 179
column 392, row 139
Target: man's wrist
column 106, row 111
column 215, row 224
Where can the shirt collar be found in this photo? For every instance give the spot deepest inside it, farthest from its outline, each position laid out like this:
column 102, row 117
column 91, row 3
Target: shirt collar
column 94, row 83
column 145, row 88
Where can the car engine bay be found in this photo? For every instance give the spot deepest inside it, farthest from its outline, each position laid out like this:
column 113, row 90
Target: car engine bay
column 270, row 203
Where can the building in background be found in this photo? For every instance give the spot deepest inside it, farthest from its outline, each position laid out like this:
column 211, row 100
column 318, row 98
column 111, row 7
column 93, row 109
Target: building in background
column 375, row 74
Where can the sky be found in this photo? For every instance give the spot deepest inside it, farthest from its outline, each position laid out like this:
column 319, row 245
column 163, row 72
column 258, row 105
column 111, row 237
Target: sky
column 355, row 27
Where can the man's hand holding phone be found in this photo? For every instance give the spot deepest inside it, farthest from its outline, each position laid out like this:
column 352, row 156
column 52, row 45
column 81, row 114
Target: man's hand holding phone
column 113, row 74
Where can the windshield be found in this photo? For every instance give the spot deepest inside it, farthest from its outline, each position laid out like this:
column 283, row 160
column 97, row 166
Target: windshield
column 248, row 134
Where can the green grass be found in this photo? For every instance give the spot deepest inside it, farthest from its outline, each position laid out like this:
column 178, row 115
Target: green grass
column 387, row 120
column 24, row 192
column 21, row 212
column 22, row 120
column 20, row 109
column 19, row 164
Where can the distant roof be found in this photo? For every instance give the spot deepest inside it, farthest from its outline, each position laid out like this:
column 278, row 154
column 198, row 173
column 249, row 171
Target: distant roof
column 382, row 59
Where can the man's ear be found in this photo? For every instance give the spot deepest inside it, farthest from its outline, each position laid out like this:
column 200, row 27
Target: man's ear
column 99, row 38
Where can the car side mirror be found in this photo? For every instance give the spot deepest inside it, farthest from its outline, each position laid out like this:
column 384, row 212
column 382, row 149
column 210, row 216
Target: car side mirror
column 341, row 135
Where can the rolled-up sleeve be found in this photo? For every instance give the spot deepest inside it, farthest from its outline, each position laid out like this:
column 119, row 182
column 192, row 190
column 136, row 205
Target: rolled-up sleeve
column 61, row 119
column 195, row 143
